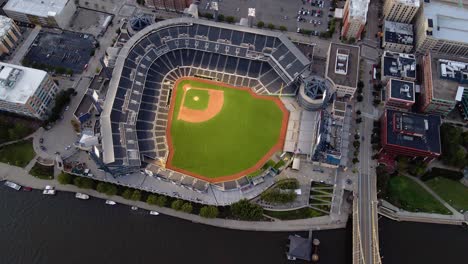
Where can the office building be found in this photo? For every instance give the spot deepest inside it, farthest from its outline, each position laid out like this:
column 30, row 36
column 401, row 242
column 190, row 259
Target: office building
column 411, row 135
column 398, row 66
column 354, row 18
column 169, row 5
column 26, row 91
column 342, row 68
column 402, row 11
column 50, row 13
column 397, row 37
column 441, row 27
column 444, row 80
column 400, row 94
column 9, row 35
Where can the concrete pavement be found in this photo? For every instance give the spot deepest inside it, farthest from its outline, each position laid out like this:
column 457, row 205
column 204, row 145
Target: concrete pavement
column 21, row 52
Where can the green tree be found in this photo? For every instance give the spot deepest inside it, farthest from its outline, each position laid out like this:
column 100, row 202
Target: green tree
column 102, row 187
column 271, row 26
column 359, row 98
column 283, row 28
column 111, row 190
column 64, row 178
column 230, row 19
column 152, row 199
column 161, row 201
column 127, row 194
column 360, row 84
column 260, row 24
column 187, row 208
column 402, row 164
column 355, row 160
column 177, row 204
column 136, row 195
column 209, row 211
column 245, row 210
column 221, row 17
column 84, row 183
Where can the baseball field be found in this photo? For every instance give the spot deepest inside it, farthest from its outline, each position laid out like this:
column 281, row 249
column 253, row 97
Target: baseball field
column 218, row 132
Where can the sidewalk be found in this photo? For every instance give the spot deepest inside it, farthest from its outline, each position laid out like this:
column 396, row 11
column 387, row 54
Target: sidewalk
column 20, row 176
column 21, row 52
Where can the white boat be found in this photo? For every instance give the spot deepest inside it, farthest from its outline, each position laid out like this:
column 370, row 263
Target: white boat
column 154, row 213
column 13, row 185
column 49, row 190
column 134, row 208
column 82, row 196
column 109, row 202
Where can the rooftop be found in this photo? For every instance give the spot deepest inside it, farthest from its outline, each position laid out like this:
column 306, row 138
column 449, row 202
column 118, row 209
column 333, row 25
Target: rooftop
column 18, row 83
column 413, row 131
column 448, row 74
column 41, row 8
column 5, row 25
column 358, row 9
column 343, row 64
column 399, row 33
column 399, row 65
column 409, row 2
column 402, row 90
column 449, row 20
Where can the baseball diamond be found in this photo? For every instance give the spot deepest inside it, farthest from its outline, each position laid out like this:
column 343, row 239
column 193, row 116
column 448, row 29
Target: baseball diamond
column 239, row 130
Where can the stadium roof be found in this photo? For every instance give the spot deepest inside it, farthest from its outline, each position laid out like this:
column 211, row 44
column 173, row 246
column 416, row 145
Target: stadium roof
column 41, row 8
column 343, row 64
column 128, row 81
column 449, row 21
column 413, row 131
column 18, row 83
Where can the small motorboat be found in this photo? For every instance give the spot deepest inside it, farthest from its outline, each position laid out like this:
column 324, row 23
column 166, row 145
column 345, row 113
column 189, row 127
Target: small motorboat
column 134, row 208
column 82, row 196
column 13, row 185
column 110, row 202
column 27, row 189
column 154, row 213
column 49, row 190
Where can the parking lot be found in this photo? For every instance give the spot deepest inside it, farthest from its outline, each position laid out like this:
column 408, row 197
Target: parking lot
column 293, row 14
column 67, row 50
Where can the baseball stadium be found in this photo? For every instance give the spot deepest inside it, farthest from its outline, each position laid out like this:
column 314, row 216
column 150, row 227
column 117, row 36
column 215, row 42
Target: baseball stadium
column 199, row 102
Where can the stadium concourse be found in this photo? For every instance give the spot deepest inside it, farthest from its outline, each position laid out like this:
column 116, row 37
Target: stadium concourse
column 134, row 119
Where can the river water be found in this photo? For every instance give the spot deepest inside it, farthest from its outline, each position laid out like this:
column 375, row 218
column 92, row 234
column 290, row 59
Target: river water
column 61, row 229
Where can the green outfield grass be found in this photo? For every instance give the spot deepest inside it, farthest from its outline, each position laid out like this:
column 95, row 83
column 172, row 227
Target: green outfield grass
column 234, row 140
column 196, row 99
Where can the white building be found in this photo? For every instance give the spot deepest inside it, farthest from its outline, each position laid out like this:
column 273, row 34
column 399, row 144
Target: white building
column 441, row 27
column 51, row 13
column 397, row 37
column 402, row 11
column 9, row 35
column 26, row 91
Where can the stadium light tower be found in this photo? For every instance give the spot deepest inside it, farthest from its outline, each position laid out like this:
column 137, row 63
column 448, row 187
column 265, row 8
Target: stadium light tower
column 251, row 16
column 215, row 8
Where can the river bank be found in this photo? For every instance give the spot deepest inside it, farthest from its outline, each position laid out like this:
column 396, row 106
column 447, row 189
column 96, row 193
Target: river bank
column 20, row 176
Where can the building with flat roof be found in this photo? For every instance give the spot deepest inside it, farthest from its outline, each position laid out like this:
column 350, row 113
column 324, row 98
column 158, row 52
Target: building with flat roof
column 441, row 27
column 169, row 5
column 50, row 13
column 400, row 94
column 26, row 91
column 354, row 18
column 339, row 109
column 410, row 134
column 342, row 68
column 398, row 66
column 397, row 36
column 9, row 35
column 402, row 11
column 444, row 80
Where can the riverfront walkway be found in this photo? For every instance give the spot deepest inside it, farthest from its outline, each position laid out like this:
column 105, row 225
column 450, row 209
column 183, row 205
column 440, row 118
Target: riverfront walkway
column 22, row 177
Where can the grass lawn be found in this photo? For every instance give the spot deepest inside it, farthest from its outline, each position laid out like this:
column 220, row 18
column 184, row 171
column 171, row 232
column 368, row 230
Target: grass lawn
column 18, row 154
column 302, row 213
column 196, row 99
column 453, row 192
column 406, row 194
column 42, row 172
column 235, row 139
